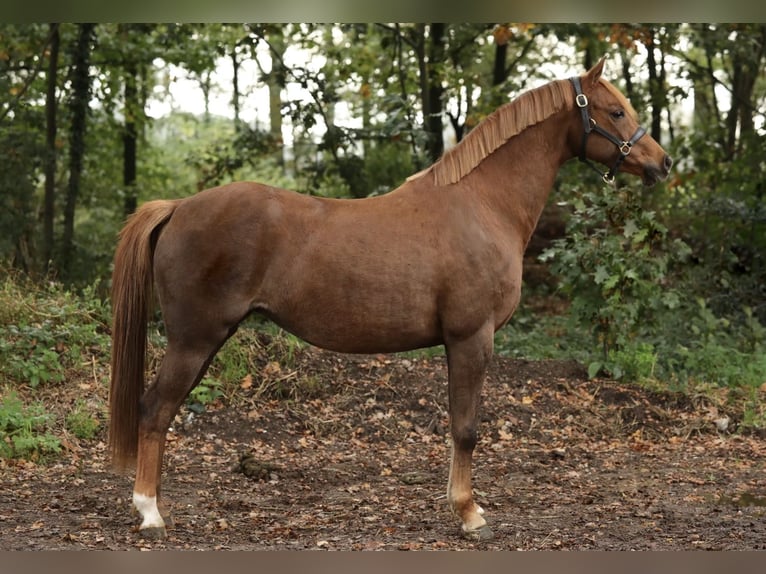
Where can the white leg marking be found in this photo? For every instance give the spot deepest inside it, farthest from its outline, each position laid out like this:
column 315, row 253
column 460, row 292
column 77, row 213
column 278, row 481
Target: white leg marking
column 147, row 507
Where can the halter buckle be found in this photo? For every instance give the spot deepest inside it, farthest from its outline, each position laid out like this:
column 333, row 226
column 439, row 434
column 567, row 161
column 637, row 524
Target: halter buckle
column 625, row 148
column 581, row 100
column 608, row 178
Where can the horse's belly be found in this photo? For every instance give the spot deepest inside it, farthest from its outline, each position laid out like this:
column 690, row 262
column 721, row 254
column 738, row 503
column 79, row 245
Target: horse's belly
column 361, row 324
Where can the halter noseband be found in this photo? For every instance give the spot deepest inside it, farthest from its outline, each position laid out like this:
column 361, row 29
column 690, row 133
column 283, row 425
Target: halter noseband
column 589, row 125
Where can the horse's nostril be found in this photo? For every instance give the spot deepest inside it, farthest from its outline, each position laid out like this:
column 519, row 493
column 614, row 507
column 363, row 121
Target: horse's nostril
column 668, row 162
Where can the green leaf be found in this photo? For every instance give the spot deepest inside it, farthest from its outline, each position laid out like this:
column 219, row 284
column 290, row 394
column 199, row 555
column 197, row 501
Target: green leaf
column 640, row 235
column 602, row 275
column 594, row 368
column 630, row 228
column 611, row 282
column 670, row 299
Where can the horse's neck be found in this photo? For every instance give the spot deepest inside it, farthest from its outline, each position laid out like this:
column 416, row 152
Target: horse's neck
column 517, row 178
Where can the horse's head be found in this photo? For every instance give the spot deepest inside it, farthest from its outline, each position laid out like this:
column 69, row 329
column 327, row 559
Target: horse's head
column 607, row 131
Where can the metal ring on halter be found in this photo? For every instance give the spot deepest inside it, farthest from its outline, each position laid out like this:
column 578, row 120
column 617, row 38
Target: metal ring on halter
column 589, row 125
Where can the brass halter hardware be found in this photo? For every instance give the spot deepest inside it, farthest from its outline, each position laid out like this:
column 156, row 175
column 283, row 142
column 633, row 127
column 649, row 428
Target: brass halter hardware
column 589, row 125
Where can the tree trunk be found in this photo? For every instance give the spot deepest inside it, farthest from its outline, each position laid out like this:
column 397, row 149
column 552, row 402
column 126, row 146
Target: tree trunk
column 50, row 144
column 206, row 84
column 630, row 92
column 276, row 82
column 746, row 67
column 656, row 78
column 431, row 87
column 235, row 88
column 499, row 71
column 499, row 67
column 130, row 137
column 78, row 103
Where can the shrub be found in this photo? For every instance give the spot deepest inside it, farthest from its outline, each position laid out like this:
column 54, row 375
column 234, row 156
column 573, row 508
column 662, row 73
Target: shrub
column 613, row 265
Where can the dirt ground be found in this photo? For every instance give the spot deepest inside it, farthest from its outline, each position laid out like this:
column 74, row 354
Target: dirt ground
column 357, row 459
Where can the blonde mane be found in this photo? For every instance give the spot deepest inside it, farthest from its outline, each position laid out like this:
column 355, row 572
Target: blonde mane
column 509, row 120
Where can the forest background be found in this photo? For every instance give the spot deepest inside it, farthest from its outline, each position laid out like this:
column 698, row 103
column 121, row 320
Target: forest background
column 662, row 286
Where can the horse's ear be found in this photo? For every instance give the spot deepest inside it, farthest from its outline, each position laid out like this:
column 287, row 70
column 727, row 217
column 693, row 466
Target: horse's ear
column 592, row 75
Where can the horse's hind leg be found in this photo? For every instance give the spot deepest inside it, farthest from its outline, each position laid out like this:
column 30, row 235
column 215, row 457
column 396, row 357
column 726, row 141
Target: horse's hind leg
column 182, row 368
column 467, row 361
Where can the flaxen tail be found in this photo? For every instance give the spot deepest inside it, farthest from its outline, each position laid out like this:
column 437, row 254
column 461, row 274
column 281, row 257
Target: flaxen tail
column 132, row 287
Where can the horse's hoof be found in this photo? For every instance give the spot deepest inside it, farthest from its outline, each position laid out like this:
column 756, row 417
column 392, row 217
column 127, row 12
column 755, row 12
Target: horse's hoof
column 481, row 534
column 153, row 533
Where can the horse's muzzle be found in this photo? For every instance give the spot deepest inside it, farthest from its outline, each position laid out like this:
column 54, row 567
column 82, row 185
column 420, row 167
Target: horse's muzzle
column 654, row 173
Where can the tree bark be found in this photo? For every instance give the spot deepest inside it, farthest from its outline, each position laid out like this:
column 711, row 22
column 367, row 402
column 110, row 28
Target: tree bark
column 235, row 88
column 276, row 81
column 79, row 110
column 746, row 67
column 50, row 145
column 656, row 78
column 130, row 137
column 431, row 87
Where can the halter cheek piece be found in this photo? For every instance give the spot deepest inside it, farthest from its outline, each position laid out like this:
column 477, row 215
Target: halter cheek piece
column 589, row 125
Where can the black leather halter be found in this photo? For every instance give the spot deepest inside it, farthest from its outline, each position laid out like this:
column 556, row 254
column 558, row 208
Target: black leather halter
column 589, row 125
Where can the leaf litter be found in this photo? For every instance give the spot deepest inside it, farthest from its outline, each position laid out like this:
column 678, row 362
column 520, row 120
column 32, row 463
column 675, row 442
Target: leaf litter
column 359, row 461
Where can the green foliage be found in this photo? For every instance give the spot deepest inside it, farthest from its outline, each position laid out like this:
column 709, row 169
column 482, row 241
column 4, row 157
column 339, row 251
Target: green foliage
column 720, row 208
column 49, row 336
column 23, row 431
column 636, row 361
column 699, row 346
column 613, row 264
column 260, row 359
column 81, row 421
column 206, row 392
column 45, row 330
column 230, row 156
column 646, row 308
column 536, row 334
column 21, row 148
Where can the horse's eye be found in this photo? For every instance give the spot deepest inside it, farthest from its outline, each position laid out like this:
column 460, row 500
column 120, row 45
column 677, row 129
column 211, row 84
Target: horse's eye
column 618, row 114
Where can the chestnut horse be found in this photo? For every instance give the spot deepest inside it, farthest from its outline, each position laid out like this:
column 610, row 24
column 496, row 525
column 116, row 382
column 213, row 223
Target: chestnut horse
column 436, row 261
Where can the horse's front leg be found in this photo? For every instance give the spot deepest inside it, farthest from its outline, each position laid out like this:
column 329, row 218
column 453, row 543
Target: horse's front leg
column 467, row 360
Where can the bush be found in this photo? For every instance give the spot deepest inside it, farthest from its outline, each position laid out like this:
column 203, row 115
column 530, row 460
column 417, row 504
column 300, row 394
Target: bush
column 613, row 265
column 648, row 311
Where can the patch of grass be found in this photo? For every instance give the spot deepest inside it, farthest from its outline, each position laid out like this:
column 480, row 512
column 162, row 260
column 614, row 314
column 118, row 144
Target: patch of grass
column 81, row 421
column 24, row 429
column 533, row 335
